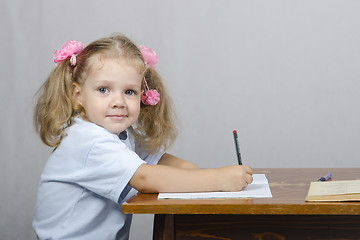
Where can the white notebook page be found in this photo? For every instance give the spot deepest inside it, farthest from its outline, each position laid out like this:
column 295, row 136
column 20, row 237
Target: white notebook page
column 259, row 188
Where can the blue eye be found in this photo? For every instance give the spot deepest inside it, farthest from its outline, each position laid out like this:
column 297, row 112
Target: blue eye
column 130, row 92
column 103, row 90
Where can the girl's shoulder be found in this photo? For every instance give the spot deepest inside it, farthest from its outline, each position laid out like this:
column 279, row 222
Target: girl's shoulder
column 84, row 131
column 84, row 139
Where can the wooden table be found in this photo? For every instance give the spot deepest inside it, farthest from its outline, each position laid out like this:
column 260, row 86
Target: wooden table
column 284, row 216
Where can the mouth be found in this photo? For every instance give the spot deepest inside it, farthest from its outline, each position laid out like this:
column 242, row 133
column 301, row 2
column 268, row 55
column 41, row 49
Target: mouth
column 116, row 116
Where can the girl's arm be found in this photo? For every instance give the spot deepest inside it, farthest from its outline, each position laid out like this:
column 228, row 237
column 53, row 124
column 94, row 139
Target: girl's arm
column 173, row 161
column 161, row 178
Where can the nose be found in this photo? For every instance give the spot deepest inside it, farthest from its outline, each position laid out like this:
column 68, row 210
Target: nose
column 118, row 101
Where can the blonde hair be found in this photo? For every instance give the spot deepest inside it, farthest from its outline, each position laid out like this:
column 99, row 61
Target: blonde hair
column 55, row 108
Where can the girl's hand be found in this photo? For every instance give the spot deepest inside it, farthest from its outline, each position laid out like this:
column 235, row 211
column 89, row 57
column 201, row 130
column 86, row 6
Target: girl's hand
column 235, row 178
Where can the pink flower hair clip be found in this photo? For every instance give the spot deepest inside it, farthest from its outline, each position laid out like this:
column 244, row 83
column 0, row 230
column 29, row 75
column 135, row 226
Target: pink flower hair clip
column 150, row 96
column 68, row 49
column 149, row 56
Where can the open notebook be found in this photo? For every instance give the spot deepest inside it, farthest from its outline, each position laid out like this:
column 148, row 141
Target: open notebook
column 259, row 188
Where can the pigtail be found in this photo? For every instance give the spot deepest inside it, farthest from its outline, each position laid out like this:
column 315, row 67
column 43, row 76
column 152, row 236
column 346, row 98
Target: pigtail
column 156, row 123
column 54, row 110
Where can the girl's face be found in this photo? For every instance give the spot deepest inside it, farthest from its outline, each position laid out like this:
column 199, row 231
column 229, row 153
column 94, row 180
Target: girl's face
column 111, row 94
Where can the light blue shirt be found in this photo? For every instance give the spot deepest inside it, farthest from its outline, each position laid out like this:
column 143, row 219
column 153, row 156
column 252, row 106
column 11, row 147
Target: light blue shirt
column 84, row 182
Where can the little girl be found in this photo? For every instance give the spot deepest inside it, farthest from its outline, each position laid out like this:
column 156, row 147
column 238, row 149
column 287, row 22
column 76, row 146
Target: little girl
column 105, row 110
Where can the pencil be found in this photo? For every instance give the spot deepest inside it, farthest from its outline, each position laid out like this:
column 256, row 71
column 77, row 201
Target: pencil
column 237, row 147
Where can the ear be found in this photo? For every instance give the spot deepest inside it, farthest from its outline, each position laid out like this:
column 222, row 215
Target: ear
column 77, row 93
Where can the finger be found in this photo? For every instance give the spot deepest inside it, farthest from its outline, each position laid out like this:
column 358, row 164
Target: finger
column 247, row 169
column 249, row 179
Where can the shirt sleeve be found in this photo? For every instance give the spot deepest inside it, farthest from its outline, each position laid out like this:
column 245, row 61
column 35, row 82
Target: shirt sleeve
column 108, row 168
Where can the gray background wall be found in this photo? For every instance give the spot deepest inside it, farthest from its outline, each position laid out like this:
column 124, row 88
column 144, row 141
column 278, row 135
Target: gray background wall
column 285, row 74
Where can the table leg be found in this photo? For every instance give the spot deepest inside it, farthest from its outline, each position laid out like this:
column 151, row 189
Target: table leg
column 164, row 227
